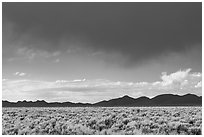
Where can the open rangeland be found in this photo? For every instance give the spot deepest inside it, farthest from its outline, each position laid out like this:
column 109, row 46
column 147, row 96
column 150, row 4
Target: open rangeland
column 102, row 121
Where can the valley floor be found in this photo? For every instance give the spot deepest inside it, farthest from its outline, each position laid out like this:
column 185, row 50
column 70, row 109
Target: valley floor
column 102, row 121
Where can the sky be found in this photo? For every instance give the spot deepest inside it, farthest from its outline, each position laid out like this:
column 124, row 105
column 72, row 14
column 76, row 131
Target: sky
column 89, row 52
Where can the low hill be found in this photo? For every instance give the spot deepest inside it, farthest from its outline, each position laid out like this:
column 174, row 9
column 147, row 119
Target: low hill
column 160, row 100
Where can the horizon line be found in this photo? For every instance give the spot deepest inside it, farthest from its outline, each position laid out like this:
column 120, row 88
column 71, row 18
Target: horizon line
column 101, row 100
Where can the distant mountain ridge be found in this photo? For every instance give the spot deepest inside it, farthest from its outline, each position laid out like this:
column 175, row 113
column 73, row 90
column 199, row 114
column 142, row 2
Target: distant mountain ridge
column 125, row 101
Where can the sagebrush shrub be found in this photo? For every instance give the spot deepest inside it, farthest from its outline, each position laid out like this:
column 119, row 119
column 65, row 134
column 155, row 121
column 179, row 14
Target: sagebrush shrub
column 102, row 121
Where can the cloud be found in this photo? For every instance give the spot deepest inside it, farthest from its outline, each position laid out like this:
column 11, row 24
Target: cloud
column 57, row 60
column 180, row 82
column 30, row 54
column 21, row 74
column 61, row 81
column 176, row 78
column 16, row 73
column 72, row 81
column 136, row 31
column 199, row 85
column 79, row 80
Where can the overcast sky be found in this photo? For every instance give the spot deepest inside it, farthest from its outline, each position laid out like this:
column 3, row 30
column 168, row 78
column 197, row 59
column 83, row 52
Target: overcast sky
column 88, row 52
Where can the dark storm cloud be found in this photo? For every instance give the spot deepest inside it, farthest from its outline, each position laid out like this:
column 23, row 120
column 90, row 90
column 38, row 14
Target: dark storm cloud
column 138, row 31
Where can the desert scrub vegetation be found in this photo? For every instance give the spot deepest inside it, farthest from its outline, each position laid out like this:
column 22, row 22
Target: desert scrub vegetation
column 102, row 121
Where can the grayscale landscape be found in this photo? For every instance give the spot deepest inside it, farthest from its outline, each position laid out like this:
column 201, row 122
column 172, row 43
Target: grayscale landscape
column 102, row 68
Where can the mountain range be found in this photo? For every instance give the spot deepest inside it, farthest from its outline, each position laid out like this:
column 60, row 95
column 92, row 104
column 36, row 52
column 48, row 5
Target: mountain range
column 125, row 101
